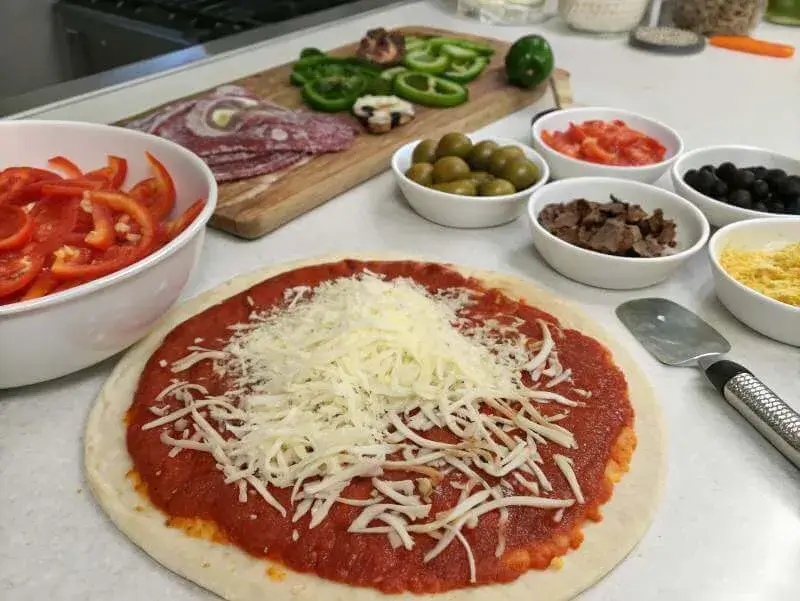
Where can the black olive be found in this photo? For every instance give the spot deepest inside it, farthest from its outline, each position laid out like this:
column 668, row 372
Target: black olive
column 773, row 174
column 740, row 198
column 758, row 170
column 719, row 190
column 726, row 171
column 690, row 177
column 705, row 179
column 792, row 206
column 709, row 168
column 789, row 187
column 759, row 189
column 776, row 183
column 742, row 179
column 777, row 207
column 760, row 206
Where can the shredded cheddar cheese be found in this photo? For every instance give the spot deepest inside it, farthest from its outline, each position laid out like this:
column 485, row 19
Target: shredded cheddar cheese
column 773, row 273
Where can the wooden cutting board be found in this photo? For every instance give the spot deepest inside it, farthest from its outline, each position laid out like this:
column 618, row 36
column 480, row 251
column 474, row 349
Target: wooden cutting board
column 253, row 207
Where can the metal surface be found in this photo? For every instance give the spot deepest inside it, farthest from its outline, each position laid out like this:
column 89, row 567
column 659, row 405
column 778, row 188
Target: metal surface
column 180, row 58
column 765, row 410
column 673, row 335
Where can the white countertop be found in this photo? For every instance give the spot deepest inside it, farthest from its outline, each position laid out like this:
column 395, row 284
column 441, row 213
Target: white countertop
column 729, row 525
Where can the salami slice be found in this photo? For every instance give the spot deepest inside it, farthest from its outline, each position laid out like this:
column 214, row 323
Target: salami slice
column 260, row 165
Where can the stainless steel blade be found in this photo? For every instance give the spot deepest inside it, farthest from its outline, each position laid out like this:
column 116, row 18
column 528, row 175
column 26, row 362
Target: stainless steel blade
column 673, row 334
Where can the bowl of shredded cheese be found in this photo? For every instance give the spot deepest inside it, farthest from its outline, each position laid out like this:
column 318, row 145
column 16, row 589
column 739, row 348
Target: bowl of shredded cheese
column 756, row 267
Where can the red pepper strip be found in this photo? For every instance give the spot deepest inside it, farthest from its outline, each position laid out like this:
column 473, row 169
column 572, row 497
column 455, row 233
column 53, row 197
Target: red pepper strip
column 22, row 228
column 43, row 285
column 113, row 175
column 115, row 257
column 145, row 190
column 18, row 269
column 12, row 185
column 65, row 166
column 164, row 200
column 75, row 187
column 102, row 235
column 170, row 229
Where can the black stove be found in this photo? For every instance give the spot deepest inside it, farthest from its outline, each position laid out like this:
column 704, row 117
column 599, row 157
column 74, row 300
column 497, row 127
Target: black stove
column 99, row 35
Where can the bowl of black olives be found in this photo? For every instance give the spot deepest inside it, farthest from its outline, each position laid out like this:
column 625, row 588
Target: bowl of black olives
column 734, row 183
column 461, row 180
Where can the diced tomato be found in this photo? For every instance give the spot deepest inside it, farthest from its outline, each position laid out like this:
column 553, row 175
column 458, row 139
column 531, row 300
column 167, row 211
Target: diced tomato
column 576, row 134
column 164, row 200
column 16, row 227
column 18, row 269
column 592, row 151
column 65, row 166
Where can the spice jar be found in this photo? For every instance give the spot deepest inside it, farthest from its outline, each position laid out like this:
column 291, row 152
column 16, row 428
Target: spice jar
column 721, row 17
column 602, row 16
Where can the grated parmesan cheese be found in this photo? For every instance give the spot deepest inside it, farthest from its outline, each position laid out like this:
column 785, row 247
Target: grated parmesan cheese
column 773, row 273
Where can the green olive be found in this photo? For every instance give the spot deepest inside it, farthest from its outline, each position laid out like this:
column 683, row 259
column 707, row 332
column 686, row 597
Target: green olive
column 480, row 176
column 450, row 169
column 514, row 151
column 463, row 187
column 480, row 154
column 424, row 152
column 453, row 145
column 496, row 187
column 422, row 173
column 521, row 173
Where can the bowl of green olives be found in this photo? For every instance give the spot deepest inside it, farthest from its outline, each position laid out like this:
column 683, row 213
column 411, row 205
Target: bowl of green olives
column 468, row 181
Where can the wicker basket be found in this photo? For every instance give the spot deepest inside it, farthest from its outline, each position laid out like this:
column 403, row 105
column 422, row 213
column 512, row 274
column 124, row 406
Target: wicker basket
column 602, row 16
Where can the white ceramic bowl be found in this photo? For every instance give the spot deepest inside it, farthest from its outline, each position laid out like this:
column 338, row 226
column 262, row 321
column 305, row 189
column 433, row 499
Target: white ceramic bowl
column 563, row 167
column 607, row 271
column 454, row 210
column 770, row 317
column 61, row 333
column 719, row 213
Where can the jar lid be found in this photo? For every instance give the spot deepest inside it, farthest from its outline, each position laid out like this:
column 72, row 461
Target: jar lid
column 667, row 40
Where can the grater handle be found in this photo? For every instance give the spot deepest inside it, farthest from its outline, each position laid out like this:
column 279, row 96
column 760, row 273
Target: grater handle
column 765, row 410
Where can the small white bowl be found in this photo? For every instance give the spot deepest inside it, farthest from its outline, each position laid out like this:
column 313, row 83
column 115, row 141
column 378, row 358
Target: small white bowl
column 768, row 316
column 454, row 210
column 563, row 167
column 55, row 335
column 607, row 271
column 720, row 213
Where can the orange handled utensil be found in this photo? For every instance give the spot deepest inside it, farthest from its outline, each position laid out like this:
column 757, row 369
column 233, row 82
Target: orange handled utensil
column 752, row 46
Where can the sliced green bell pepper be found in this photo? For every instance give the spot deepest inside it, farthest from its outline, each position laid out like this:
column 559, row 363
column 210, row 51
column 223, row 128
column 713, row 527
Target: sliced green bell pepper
column 529, row 61
column 334, row 93
column 422, row 62
column 429, row 90
column 392, row 72
column 435, row 45
column 308, row 52
column 457, row 52
column 316, row 66
column 464, row 71
column 415, row 43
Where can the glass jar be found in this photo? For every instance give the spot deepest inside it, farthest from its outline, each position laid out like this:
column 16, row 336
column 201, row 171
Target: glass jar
column 721, row 17
column 785, row 12
column 503, row 12
column 602, row 16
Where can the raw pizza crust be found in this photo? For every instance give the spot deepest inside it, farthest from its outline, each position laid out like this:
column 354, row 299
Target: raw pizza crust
column 237, row 576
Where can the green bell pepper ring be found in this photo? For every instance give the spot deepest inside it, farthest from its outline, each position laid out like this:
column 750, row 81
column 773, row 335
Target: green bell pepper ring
column 317, row 66
column 334, row 93
column 378, row 86
column 422, row 62
column 392, row 72
column 308, row 52
column 464, row 71
column 415, row 43
column 429, row 90
column 435, row 44
column 457, row 52
column 529, row 61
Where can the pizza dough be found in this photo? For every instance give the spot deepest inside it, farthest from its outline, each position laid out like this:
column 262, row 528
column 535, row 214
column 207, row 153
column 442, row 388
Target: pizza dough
column 237, row 576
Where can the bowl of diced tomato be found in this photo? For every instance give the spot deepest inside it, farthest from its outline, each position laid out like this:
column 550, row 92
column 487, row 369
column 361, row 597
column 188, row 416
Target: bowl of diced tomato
column 100, row 228
column 605, row 142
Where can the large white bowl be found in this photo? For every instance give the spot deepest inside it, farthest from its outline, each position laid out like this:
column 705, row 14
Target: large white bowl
column 607, row 271
column 61, row 333
column 563, row 167
column 768, row 316
column 720, row 213
column 455, row 210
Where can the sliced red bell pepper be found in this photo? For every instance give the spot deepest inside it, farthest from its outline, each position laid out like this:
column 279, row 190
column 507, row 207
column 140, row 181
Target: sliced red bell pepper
column 53, row 219
column 112, row 175
column 18, row 269
column 65, row 166
column 164, row 199
column 115, row 257
column 170, row 229
column 16, row 227
column 74, row 187
column 43, row 285
column 102, row 235
column 145, row 191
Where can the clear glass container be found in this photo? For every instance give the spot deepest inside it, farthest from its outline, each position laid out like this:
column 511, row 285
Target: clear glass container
column 728, row 17
column 785, row 12
column 602, row 16
column 504, row 12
